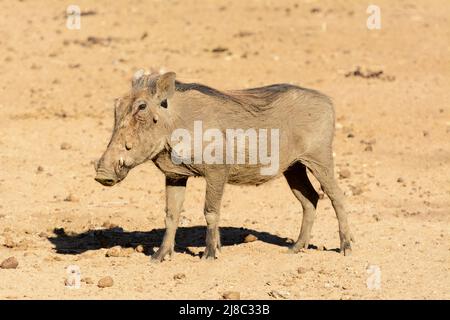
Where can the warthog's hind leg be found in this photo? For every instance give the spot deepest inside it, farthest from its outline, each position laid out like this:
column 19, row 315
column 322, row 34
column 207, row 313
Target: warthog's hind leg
column 175, row 190
column 304, row 191
column 322, row 168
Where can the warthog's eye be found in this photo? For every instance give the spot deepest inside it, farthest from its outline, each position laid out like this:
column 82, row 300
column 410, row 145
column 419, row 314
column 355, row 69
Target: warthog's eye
column 164, row 103
column 142, row 106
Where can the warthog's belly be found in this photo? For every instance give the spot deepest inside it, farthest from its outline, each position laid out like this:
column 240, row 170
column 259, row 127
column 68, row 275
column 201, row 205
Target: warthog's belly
column 250, row 174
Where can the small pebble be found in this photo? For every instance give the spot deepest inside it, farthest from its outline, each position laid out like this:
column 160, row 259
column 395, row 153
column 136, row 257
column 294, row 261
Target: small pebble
column 250, row 238
column 179, row 276
column 105, row 282
column 279, row 294
column 71, row 198
column 231, row 295
column 344, row 174
column 117, row 251
column 65, row 146
column 368, row 148
column 9, row 242
column 87, row 280
column 10, row 263
column 140, row 248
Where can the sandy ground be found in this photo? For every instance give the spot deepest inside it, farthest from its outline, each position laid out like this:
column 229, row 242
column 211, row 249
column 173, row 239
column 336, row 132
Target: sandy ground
column 393, row 131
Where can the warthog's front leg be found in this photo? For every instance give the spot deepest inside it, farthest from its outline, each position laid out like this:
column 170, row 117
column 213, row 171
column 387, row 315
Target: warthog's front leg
column 175, row 190
column 215, row 184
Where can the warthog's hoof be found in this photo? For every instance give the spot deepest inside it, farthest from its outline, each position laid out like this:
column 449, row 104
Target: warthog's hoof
column 211, row 252
column 162, row 254
column 208, row 257
column 346, row 247
column 294, row 249
column 299, row 246
column 347, row 250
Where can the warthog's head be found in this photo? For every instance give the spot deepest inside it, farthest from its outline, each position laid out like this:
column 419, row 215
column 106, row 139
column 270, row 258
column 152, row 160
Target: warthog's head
column 141, row 126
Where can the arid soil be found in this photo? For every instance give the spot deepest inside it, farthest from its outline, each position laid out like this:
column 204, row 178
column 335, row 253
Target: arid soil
column 392, row 149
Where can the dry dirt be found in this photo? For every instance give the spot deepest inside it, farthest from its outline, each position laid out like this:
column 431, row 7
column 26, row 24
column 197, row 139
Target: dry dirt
column 392, row 139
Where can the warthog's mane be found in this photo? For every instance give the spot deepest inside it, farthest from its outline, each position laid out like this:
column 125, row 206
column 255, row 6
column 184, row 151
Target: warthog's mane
column 252, row 99
column 255, row 99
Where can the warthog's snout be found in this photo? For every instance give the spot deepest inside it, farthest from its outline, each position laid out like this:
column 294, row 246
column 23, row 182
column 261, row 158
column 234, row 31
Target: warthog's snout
column 110, row 172
column 106, row 181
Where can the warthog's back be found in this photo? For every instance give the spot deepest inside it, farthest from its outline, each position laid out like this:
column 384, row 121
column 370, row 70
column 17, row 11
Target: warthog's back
column 300, row 119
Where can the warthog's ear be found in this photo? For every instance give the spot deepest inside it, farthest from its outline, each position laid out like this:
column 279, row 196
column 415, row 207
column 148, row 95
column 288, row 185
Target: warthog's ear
column 165, row 86
column 136, row 81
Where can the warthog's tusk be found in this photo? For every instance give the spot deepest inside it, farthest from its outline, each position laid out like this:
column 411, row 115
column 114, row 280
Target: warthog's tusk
column 121, row 162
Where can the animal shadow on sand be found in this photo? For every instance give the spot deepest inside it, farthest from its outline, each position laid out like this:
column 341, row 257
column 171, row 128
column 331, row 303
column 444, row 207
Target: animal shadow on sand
column 186, row 238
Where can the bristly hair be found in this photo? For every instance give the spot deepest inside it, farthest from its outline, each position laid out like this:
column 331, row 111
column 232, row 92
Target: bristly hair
column 253, row 99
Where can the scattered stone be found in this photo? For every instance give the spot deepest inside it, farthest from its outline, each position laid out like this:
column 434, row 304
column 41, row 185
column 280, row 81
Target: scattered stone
column 144, row 35
column 40, row 169
column 219, row 49
column 231, row 295
column 87, row 280
column 400, row 180
column 10, row 263
column 74, row 66
column 91, row 41
column 114, row 252
column 179, row 276
column 9, row 242
column 302, row 270
column 71, row 198
column 250, row 238
column 369, row 74
column 368, row 148
column 117, row 251
column 277, row 294
column 344, row 174
column 105, row 282
column 88, row 13
column 65, row 146
column 242, row 34
column 109, row 225
column 376, row 217
column 140, row 248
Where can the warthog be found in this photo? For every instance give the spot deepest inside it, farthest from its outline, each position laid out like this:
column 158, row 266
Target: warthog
column 159, row 104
